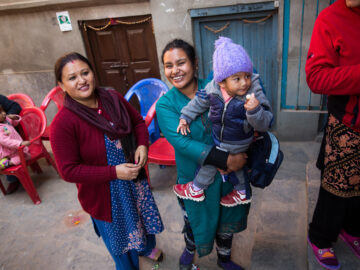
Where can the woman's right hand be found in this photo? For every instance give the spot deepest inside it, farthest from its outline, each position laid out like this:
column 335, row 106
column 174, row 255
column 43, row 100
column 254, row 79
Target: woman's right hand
column 235, row 162
column 127, row 171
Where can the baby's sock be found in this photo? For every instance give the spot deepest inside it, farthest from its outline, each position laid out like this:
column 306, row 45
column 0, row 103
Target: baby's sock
column 240, row 188
column 196, row 188
column 242, row 193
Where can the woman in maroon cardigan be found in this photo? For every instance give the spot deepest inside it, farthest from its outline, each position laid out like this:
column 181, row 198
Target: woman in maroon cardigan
column 100, row 143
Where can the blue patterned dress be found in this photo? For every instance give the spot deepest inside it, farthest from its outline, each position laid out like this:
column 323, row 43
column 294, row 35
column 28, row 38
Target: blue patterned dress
column 134, row 212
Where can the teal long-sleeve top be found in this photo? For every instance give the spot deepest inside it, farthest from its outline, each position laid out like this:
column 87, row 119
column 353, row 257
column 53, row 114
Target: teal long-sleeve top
column 206, row 217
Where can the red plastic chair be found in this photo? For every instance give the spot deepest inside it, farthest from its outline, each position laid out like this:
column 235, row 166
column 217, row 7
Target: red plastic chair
column 32, row 125
column 22, row 99
column 161, row 151
column 25, row 102
column 56, row 95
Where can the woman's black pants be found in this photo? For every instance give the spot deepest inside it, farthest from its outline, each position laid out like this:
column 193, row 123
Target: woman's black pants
column 333, row 213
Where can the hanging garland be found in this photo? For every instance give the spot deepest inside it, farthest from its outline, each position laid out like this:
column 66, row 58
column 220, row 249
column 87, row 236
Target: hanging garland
column 115, row 22
column 259, row 20
column 215, row 31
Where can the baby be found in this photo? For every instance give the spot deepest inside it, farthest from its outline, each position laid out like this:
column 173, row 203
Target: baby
column 237, row 106
column 10, row 140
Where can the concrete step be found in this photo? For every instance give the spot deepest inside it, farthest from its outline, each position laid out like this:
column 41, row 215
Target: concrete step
column 280, row 238
column 284, row 210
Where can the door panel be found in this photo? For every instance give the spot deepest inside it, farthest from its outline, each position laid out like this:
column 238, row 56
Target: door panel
column 122, row 54
column 105, row 41
column 138, row 52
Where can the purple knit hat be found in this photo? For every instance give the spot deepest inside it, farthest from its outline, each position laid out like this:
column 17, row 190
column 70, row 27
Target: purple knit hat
column 229, row 58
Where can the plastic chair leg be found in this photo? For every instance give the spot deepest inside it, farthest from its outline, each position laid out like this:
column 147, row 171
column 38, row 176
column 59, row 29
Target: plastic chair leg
column 29, row 187
column 36, row 168
column 2, row 188
column 50, row 161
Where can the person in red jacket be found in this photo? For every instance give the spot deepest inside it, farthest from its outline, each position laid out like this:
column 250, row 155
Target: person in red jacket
column 333, row 69
column 100, row 143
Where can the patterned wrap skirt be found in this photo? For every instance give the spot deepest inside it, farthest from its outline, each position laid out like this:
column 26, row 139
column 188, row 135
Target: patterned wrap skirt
column 133, row 209
column 341, row 175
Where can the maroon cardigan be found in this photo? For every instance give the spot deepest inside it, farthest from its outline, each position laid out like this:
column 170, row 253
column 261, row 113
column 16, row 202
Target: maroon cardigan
column 80, row 154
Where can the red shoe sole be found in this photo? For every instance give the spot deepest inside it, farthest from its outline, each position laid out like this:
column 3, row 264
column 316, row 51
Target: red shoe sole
column 189, row 198
column 236, row 203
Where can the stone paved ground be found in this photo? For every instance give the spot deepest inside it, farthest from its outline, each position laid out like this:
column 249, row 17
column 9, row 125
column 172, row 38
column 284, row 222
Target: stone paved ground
column 281, row 226
column 58, row 235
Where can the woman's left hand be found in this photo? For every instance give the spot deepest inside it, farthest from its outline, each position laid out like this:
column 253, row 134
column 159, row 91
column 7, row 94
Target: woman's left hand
column 141, row 155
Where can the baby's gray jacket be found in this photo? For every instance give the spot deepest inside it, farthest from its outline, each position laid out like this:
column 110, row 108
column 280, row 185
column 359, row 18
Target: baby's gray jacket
column 233, row 126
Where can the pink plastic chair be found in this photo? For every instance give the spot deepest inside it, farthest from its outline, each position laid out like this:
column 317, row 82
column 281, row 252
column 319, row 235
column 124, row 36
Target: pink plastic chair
column 32, row 127
column 56, row 95
column 22, row 99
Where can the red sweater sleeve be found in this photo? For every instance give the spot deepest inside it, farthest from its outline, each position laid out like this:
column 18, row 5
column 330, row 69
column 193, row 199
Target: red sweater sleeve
column 324, row 72
column 79, row 150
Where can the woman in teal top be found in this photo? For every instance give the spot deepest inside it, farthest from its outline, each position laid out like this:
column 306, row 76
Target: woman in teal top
column 205, row 221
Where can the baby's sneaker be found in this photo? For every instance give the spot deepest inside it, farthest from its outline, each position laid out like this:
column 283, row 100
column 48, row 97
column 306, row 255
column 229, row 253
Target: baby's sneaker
column 234, row 198
column 185, row 191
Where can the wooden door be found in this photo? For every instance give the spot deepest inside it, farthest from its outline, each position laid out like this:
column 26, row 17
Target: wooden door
column 122, row 50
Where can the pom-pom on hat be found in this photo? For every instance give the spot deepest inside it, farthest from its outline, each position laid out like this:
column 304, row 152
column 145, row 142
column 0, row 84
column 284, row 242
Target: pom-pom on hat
column 229, row 58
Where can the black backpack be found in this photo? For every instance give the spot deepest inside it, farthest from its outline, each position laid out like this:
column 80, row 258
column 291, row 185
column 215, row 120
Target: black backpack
column 264, row 159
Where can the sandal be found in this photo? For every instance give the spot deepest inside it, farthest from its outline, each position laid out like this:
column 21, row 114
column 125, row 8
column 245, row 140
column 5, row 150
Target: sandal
column 156, row 255
column 325, row 257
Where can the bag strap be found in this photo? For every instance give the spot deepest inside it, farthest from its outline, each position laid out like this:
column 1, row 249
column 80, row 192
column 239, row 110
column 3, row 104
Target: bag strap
column 274, row 148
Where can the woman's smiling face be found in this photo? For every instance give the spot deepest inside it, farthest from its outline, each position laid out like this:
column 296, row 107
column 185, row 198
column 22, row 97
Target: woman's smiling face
column 78, row 81
column 179, row 70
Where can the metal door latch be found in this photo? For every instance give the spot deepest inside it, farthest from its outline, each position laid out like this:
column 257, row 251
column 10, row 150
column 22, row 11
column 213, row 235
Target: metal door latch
column 119, row 65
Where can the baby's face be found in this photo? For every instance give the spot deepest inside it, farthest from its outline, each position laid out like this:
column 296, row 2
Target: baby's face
column 237, row 84
column 2, row 116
